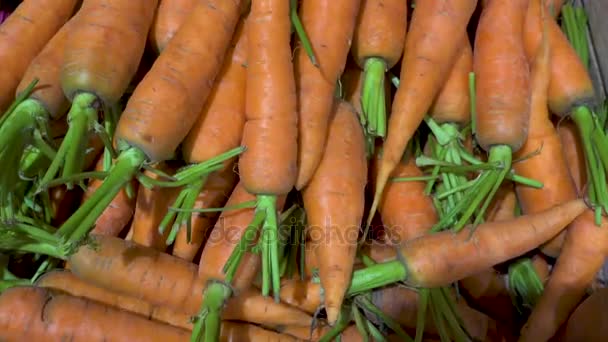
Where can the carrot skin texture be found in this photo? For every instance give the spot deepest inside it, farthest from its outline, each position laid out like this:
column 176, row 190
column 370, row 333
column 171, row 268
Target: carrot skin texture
column 38, row 314
column 23, row 35
column 574, row 152
column 380, row 31
column 502, row 74
column 476, row 249
column 582, row 256
column 105, row 31
column 430, row 51
column 570, row 84
column 236, row 331
column 219, row 126
column 453, row 103
column 334, row 202
column 177, row 85
column 169, row 17
column 316, row 85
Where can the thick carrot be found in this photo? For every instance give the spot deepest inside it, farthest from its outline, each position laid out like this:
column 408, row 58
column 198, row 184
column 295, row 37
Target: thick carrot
column 406, row 211
column 169, row 17
column 430, row 51
column 378, row 43
column 582, row 255
column 68, row 283
column 268, row 167
column 118, row 213
column 219, row 128
column 23, row 35
column 330, row 25
column 334, row 202
column 173, row 91
column 215, row 193
column 105, row 31
column 39, row 314
column 542, row 153
column 588, row 322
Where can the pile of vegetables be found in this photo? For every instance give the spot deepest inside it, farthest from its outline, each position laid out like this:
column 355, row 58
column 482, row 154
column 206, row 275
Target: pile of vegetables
column 232, row 170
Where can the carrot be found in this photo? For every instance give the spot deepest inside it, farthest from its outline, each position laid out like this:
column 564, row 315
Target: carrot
column 315, row 85
column 542, row 154
column 234, row 331
column 215, row 193
column 23, row 35
column 222, row 273
column 430, row 51
column 66, row 282
column 406, row 211
column 573, row 152
column 39, row 314
column 219, row 128
column 582, row 255
column 119, row 212
column 173, row 91
column 588, row 322
column 571, row 94
column 378, row 42
column 352, row 83
column 169, row 17
column 104, row 32
column 334, row 202
column 268, row 167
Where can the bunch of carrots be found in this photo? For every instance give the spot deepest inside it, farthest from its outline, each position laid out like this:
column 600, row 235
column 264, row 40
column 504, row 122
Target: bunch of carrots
column 319, row 170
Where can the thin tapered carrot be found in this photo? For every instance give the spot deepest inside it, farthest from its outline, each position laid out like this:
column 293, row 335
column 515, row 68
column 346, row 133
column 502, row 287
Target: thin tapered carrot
column 23, row 35
column 39, row 314
column 582, row 256
column 235, row 331
column 169, row 17
column 334, row 202
column 430, row 51
column 68, row 283
column 219, row 128
column 268, row 167
column 573, row 152
column 315, row 85
column 104, row 32
column 378, row 43
column 173, row 91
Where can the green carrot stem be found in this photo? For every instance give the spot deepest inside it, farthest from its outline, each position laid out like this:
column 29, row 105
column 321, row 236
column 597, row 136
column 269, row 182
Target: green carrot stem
column 524, row 284
column 300, row 32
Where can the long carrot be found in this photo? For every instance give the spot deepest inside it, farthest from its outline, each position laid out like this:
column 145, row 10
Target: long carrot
column 334, row 202
column 173, row 91
column 378, row 43
column 430, row 51
column 573, row 152
column 235, row 331
column 23, row 35
column 219, row 128
column 104, row 32
column 268, row 168
column 169, row 17
column 38, row 314
column 315, row 85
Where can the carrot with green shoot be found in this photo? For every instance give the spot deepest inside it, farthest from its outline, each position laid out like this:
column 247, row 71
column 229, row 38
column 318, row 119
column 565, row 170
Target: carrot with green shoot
column 378, row 43
column 104, row 32
column 430, row 51
column 174, row 91
column 23, row 35
column 316, row 84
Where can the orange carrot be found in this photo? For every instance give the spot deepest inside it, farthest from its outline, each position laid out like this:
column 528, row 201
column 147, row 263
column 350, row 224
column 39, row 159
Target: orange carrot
column 169, row 17
column 573, row 152
column 23, row 35
column 430, row 51
column 334, row 202
column 588, row 322
column 234, row 331
column 174, row 91
column 316, row 84
column 39, row 314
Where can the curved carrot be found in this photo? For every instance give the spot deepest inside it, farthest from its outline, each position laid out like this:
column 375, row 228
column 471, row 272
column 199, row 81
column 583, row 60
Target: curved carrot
column 268, row 167
column 430, row 51
column 104, row 32
column 588, row 322
column 169, row 17
column 173, row 91
column 23, row 35
column 315, row 85
column 334, row 202
column 378, row 43
column 39, row 314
